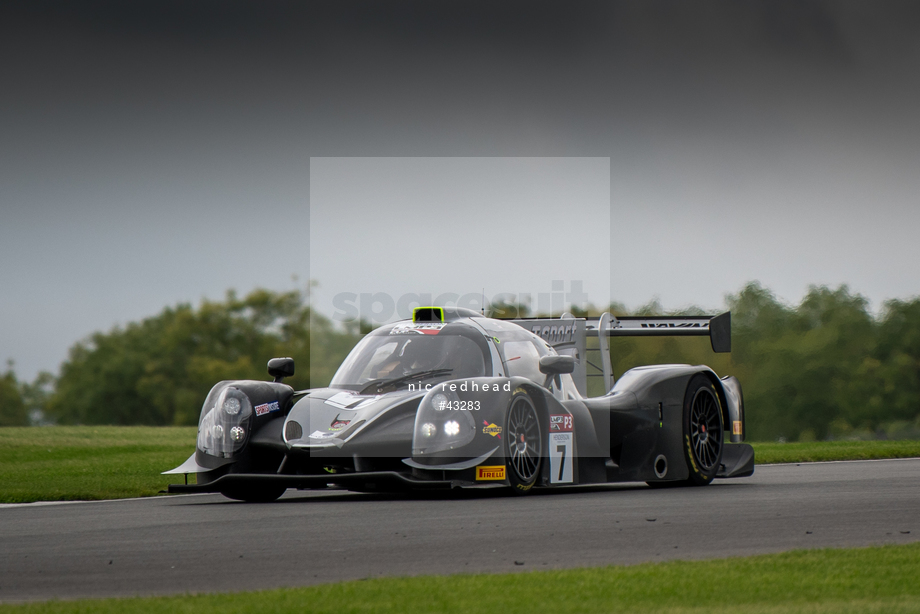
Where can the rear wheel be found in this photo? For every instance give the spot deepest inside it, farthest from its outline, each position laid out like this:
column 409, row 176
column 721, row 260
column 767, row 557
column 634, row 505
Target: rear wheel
column 702, row 430
column 523, row 443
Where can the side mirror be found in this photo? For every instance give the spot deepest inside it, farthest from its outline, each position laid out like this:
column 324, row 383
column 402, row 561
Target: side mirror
column 280, row 368
column 556, row 365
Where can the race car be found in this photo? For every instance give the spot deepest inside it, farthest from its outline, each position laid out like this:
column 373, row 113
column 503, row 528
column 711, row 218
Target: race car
column 453, row 399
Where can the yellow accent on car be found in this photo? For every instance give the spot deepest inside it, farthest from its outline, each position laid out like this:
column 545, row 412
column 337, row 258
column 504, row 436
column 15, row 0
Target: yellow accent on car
column 427, row 312
column 492, row 429
column 487, row 472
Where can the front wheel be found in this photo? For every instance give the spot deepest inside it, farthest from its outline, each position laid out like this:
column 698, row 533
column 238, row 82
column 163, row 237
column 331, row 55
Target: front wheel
column 523, row 443
column 702, row 430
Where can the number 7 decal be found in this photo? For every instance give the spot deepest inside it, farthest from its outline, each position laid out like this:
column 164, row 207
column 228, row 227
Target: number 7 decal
column 561, row 450
column 560, row 458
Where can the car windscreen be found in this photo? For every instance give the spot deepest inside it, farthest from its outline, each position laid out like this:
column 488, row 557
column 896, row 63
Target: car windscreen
column 454, row 352
column 521, row 352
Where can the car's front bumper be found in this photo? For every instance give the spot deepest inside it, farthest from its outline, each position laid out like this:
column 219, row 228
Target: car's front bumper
column 367, row 480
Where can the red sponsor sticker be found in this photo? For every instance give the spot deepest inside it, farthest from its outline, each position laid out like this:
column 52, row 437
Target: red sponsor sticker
column 265, row 408
column 561, row 423
column 424, row 329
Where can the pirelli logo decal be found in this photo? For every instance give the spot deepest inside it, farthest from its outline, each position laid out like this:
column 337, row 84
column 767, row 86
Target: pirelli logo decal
column 736, row 427
column 496, row 472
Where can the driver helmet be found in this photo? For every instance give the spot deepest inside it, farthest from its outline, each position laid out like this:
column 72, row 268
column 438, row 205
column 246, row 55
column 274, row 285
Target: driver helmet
column 419, row 354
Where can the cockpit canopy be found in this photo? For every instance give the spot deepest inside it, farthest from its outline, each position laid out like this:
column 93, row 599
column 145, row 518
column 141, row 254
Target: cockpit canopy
column 400, row 354
column 454, row 350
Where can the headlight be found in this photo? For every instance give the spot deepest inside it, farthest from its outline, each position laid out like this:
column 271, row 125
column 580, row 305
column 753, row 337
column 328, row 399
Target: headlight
column 224, row 421
column 440, row 401
column 232, row 406
column 439, row 427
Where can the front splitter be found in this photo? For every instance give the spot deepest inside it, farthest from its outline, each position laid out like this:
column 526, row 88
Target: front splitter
column 367, row 480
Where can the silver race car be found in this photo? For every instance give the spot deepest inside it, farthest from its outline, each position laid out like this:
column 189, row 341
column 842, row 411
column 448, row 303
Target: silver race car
column 454, row 399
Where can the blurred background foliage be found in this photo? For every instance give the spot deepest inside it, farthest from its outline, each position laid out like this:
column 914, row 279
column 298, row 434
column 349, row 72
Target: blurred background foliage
column 158, row 371
column 824, row 369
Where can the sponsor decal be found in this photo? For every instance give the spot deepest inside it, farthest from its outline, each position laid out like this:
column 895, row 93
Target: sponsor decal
column 338, row 425
column 350, row 400
column 560, row 458
column 492, row 429
column 429, row 328
column 265, row 408
column 561, row 423
column 488, row 472
column 674, row 325
column 736, row 427
column 555, row 334
column 321, row 435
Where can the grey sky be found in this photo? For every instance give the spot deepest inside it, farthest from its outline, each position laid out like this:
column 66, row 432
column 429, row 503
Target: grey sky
column 152, row 153
column 436, row 226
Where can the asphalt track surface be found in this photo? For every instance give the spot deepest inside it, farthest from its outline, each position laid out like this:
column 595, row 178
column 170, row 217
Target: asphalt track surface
column 205, row 543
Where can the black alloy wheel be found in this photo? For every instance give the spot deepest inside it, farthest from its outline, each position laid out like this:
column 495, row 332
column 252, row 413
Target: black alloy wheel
column 703, row 433
column 524, row 443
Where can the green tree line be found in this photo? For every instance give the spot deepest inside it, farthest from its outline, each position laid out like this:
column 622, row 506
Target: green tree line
column 158, row 371
column 823, row 369
column 826, row 368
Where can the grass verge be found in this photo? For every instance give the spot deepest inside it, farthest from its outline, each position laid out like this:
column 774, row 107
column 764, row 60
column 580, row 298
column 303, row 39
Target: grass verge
column 877, row 579
column 108, row 462
column 801, row 452
column 89, row 462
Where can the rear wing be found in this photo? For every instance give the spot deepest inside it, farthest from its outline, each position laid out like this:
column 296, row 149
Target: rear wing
column 568, row 335
column 717, row 328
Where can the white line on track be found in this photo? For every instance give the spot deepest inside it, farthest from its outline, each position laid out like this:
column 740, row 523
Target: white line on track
column 855, row 460
column 200, row 494
column 44, row 503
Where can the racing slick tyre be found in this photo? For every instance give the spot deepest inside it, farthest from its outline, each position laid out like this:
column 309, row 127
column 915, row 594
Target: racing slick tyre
column 523, row 443
column 702, row 430
column 261, row 494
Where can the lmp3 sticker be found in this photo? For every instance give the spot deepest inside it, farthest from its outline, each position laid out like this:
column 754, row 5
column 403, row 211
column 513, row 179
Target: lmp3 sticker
column 736, row 427
column 265, row 408
column 485, row 472
column 560, row 423
column 560, row 458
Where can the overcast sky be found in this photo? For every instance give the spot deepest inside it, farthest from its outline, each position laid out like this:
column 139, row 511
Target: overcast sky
column 156, row 153
column 418, row 229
